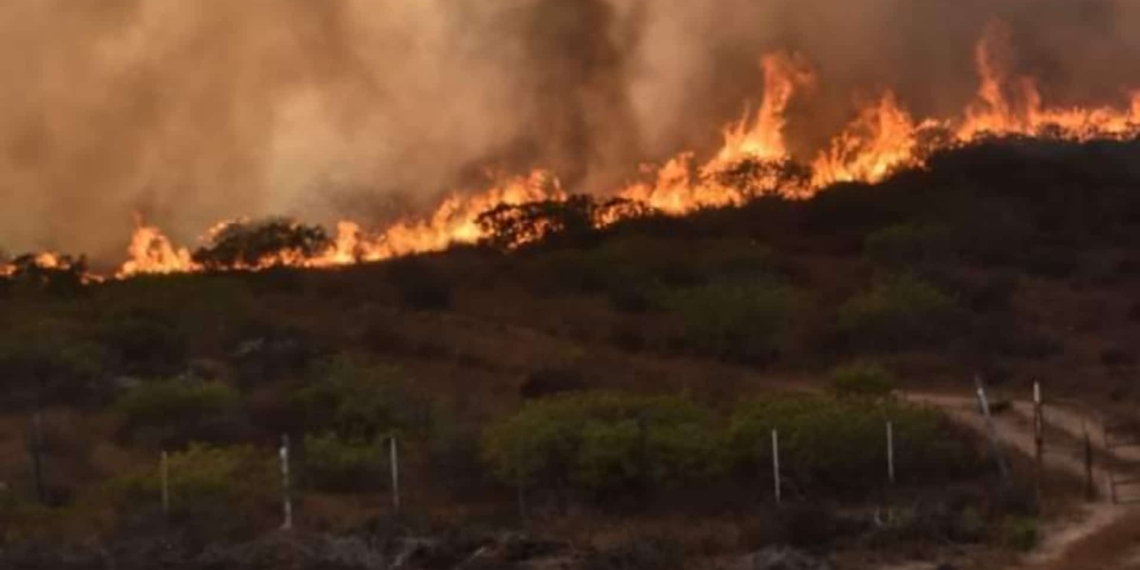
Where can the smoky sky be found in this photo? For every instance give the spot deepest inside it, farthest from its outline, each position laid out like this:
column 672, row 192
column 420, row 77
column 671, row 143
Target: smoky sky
column 194, row 111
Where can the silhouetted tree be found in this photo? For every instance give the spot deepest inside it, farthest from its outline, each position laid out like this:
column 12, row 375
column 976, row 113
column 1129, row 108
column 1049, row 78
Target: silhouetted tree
column 755, row 178
column 265, row 243
column 568, row 221
column 55, row 274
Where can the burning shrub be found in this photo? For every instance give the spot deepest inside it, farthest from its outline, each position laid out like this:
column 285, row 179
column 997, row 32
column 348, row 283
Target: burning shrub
column 62, row 275
column 175, row 412
column 840, row 445
column 268, row 243
column 897, row 313
column 755, row 178
column 604, row 443
column 336, row 465
column 735, row 321
column 570, row 221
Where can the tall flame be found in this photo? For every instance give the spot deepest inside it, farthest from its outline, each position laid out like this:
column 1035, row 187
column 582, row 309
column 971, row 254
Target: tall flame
column 882, row 140
column 763, row 137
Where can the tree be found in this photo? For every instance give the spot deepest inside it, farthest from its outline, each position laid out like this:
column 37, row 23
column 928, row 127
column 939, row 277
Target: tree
column 755, row 178
column 50, row 273
column 605, row 443
column 573, row 220
column 267, row 243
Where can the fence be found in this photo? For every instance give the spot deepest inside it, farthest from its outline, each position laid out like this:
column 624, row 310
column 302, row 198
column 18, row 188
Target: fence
column 1056, row 438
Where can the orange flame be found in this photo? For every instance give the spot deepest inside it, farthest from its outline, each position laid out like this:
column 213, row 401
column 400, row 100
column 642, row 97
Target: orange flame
column 152, row 253
column 763, row 139
column 882, row 138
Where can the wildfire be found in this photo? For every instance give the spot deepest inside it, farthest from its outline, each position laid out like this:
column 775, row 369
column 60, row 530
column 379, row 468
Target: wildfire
column 454, row 221
column 763, row 139
column 883, row 138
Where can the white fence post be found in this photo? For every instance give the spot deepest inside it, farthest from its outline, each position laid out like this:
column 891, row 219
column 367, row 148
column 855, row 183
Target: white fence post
column 395, row 460
column 776, row 463
column 992, row 428
column 287, row 498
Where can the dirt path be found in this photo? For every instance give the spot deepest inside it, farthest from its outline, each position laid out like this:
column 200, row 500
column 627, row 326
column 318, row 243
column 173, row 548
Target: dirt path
column 1100, row 535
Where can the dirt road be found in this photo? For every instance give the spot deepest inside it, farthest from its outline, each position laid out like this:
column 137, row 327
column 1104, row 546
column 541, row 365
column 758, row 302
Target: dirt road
column 1101, row 535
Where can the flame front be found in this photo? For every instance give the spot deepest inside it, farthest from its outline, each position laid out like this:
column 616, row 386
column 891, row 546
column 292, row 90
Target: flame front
column 882, row 139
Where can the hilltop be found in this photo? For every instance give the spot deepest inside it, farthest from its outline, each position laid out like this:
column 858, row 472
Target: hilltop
column 1015, row 259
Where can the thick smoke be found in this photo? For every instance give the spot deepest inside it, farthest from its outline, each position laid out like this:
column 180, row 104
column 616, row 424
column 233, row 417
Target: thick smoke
column 195, row 111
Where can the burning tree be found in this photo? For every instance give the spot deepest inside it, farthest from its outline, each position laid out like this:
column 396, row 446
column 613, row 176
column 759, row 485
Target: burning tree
column 53, row 273
column 267, row 243
column 754, row 177
column 508, row 226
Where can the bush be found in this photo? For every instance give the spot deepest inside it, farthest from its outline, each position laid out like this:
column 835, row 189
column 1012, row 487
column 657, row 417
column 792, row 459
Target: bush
column 1020, row 533
column 224, row 492
column 421, row 286
column 604, row 443
column 176, row 412
column 335, row 465
column 862, row 379
column 143, row 343
column 839, row 446
column 733, row 321
column 357, row 400
column 898, row 313
column 1118, row 358
column 908, row 245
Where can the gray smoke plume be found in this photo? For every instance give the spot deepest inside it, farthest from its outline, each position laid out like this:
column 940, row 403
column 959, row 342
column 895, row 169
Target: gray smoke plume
column 195, row 111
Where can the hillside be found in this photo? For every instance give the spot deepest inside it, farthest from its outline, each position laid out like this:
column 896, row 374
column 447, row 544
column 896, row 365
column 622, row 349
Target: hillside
column 1015, row 259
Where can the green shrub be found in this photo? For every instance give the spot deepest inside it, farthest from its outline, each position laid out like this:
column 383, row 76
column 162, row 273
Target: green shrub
column 734, row 321
column 897, row 313
column 1020, row 533
column 143, row 343
column 908, row 245
column 336, row 465
column 223, row 491
column 604, row 442
column 175, row 412
column 862, row 379
column 358, row 400
column 840, row 445
column 422, row 286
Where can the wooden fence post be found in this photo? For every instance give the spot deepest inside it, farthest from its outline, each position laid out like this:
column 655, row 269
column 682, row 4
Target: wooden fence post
column 1039, row 439
column 286, row 489
column 164, row 468
column 776, row 463
column 891, row 453
column 395, row 460
column 1090, row 485
column 37, row 445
